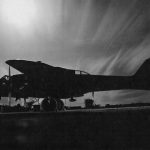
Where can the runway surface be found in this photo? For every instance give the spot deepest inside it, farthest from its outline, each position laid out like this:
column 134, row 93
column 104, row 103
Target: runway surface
column 110, row 109
column 85, row 110
column 112, row 128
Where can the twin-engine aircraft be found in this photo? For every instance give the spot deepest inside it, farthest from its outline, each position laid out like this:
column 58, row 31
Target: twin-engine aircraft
column 41, row 80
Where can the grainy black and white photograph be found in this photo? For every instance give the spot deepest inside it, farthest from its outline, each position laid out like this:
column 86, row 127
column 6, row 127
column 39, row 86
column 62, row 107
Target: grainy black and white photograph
column 75, row 74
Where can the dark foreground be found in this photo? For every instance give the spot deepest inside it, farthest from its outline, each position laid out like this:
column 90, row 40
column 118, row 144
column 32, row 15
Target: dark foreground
column 111, row 129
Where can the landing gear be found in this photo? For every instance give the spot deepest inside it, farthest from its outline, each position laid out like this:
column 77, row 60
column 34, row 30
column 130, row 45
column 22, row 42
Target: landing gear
column 60, row 105
column 51, row 104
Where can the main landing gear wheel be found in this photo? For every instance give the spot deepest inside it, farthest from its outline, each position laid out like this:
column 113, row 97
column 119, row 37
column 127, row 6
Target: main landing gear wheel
column 51, row 104
column 60, row 105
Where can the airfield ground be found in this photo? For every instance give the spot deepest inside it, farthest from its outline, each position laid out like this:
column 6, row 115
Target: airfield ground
column 127, row 128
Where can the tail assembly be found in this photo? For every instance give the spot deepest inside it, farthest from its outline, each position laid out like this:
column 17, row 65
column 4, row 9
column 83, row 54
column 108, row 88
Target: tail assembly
column 144, row 70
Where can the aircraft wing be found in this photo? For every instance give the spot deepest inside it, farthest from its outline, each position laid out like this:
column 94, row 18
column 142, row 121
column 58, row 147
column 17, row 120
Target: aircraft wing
column 32, row 68
column 45, row 78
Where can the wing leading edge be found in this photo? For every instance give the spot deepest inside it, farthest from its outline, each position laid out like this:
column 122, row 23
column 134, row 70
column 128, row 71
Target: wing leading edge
column 35, row 68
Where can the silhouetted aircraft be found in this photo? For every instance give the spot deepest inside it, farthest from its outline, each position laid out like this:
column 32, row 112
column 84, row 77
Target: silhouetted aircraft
column 41, row 80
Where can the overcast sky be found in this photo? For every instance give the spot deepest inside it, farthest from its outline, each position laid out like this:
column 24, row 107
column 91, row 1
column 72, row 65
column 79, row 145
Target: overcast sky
column 110, row 37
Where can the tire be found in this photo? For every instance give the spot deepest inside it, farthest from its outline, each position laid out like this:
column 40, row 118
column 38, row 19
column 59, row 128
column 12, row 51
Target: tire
column 49, row 105
column 60, row 105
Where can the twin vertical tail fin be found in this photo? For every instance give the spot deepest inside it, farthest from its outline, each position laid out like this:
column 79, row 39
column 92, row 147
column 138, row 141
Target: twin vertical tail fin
column 144, row 70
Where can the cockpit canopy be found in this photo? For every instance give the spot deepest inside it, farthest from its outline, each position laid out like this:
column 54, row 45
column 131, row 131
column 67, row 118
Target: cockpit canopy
column 79, row 72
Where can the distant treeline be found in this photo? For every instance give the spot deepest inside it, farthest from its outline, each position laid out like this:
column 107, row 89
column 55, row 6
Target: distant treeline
column 89, row 103
column 126, row 105
column 95, row 106
column 18, row 108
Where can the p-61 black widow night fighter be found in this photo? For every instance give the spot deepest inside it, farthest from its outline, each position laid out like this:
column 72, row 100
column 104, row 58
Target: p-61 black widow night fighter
column 41, row 80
